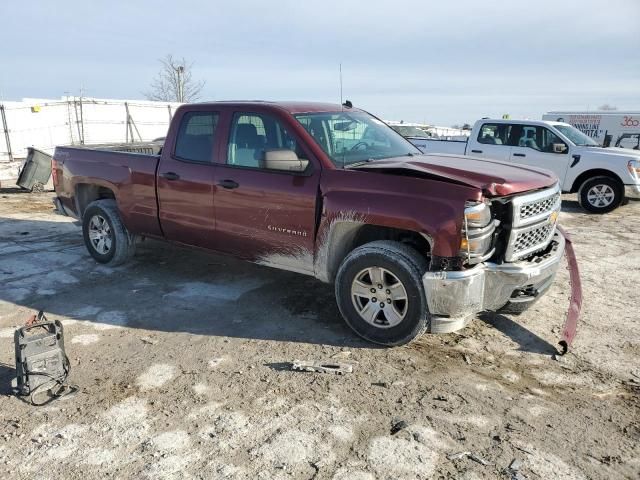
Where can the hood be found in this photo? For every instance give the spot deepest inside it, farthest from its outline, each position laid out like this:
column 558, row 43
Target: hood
column 493, row 177
column 611, row 153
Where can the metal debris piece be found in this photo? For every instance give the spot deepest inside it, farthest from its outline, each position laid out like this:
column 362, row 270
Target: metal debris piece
column 322, row 367
column 478, row 459
column 342, row 355
column 458, row 456
column 515, row 464
column 471, row 455
column 396, row 426
column 467, row 359
column 148, row 340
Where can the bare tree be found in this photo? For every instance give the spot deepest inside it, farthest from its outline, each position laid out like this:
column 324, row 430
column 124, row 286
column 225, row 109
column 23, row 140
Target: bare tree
column 174, row 82
column 606, row 106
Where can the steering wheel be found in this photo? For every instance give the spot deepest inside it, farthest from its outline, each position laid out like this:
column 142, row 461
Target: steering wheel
column 360, row 144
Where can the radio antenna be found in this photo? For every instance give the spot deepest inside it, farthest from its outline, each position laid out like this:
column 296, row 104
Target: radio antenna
column 340, row 67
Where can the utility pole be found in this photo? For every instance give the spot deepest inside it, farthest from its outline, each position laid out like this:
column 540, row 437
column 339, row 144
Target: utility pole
column 180, row 72
column 5, row 127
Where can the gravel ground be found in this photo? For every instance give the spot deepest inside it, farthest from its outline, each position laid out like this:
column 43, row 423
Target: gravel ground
column 183, row 359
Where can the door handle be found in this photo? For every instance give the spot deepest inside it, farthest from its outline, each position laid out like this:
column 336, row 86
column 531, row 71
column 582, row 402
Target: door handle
column 170, row 176
column 476, row 151
column 229, row 184
column 519, row 155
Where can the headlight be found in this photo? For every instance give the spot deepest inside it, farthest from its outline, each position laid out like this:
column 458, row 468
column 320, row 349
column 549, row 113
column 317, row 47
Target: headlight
column 476, row 215
column 477, row 232
column 634, row 168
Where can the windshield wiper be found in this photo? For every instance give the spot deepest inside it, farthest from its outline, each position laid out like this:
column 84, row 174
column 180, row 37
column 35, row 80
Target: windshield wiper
column 363, row 162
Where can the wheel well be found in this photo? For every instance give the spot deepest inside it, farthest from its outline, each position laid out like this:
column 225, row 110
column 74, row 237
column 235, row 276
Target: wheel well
column 597, row 172
column 87, row 193
column 370, row 233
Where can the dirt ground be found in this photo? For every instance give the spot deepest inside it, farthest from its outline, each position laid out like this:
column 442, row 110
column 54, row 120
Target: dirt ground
column 182, row 360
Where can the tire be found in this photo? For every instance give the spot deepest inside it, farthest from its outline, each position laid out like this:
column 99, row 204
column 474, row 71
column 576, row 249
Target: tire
column 104, row 215
column 600, row 194
column 392, row 262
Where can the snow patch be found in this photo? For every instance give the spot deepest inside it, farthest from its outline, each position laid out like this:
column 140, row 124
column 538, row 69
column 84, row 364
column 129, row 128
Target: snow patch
column 395, row 457
column 215, row 362
column 171, row 441
column 227, row 291
column 87, row 339
column 200, row 388
column 156, row 376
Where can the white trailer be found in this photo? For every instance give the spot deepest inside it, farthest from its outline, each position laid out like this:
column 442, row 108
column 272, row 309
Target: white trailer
column 608, row 128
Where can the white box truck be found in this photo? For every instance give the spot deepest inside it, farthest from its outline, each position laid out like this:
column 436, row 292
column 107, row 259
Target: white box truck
column 608, row 128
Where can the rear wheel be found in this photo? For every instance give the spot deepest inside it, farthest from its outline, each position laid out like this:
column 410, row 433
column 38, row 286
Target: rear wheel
column 600, row 194
column 380, row 294
column 105, row 236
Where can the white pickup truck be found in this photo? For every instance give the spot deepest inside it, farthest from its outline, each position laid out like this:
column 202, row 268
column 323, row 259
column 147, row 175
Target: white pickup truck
column 602, row 177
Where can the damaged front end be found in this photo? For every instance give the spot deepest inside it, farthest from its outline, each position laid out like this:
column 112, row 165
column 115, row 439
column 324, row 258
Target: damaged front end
column 509, row 261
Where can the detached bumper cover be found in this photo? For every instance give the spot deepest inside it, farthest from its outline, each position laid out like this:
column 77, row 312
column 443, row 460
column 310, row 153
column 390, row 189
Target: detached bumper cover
column 454, row 297
column 575, row 302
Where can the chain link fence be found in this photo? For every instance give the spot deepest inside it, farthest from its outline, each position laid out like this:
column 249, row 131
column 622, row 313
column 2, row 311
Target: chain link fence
column 44, row 124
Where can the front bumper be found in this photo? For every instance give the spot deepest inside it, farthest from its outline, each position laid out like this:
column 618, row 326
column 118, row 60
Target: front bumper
column 454, row 297
column 632, row 191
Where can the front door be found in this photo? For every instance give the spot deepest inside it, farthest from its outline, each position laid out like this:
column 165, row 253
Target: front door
column 538, row 146
column 262, row 214
column 186, row 179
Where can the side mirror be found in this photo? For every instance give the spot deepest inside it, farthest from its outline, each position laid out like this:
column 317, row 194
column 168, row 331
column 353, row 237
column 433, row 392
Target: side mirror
column 559, row 148
column 284, row 160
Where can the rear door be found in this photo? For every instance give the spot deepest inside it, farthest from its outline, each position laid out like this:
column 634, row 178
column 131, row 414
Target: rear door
column 265, row 215
column 186, row 178
column 491, row 141
column 534, row 145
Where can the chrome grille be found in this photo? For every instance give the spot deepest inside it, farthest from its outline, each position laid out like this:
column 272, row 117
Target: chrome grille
column 531, row 238
column 532, row 209
column 534, row 223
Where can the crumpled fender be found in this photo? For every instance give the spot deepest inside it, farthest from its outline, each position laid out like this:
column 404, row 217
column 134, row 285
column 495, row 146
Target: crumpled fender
column 575, row 301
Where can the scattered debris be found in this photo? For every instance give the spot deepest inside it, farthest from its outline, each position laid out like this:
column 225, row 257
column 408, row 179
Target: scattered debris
column 148, row 340
column 515, row 464
column 528, row 452
column 398, row 425
column 471, row 455
column 344, row 354
column 322, row 367
column 467, row 359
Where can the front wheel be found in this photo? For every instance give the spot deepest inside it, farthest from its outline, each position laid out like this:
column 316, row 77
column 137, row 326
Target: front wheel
column 380, row 294
column 600, row 194
column 105, row 236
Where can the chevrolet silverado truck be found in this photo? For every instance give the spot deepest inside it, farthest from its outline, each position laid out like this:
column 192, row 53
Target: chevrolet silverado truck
column 603, row 178
column 412, row 242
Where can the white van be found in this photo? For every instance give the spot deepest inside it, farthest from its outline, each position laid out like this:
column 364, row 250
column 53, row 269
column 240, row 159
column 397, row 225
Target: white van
column 609, row 128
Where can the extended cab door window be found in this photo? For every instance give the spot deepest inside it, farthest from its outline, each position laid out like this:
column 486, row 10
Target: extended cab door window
column 492, row 141
column 194, row 142
column 185, row 181
column 538, row 146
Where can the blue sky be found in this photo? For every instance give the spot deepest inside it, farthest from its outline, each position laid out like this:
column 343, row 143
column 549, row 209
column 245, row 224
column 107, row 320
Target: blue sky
column 439, row 62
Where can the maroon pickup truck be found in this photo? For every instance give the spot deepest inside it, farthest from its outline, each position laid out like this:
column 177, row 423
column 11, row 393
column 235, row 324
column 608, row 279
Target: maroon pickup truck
column 412, row 242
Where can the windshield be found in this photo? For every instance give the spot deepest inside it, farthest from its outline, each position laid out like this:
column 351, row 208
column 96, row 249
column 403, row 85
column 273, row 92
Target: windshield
column 406, row 131
column 352, row 137
column 576, row 136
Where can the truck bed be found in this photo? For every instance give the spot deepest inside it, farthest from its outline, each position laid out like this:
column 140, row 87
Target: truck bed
column 128, row 177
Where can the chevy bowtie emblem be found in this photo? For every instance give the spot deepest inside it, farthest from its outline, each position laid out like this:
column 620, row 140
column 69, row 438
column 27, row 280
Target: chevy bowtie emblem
column 553, row 217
